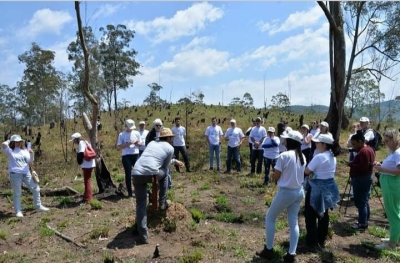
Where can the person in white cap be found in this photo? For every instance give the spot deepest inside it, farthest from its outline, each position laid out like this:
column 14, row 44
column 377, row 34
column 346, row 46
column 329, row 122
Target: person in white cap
column 179, row 143
column 235, row 137
column 129, row 142
column 86, row 165
column 368, row 132
column 270, row 145
column 289, row 174
column 322, row 190
column 213, row 137
column 306, row 142
column 257, row 135
column 143, row 134
column 323, row 129
column 155, row 160
column 19, row 160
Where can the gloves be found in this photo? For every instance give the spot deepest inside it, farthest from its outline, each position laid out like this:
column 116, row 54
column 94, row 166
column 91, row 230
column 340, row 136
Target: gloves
column 35, row 177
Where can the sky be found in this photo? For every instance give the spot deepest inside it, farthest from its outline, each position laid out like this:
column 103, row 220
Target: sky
column 223, row 49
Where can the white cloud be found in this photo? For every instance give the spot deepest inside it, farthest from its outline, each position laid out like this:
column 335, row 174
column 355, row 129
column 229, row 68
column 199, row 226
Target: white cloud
column 45, row 21
column 61, row 61
column 107, row 10
column 184, row 23
column 296, row 20
column 198, row 42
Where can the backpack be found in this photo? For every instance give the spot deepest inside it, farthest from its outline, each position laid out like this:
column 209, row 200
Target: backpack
column 376, row 142
column 89, row 154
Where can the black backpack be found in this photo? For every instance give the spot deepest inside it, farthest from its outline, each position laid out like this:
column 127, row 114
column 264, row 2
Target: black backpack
column 376, row 142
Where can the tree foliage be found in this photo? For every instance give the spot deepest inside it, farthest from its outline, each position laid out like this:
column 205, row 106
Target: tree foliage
column 280, row 101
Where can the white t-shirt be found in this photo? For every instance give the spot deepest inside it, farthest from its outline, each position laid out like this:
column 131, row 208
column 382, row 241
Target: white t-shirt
column 292, row 171
column 234, row 135
column 258, row 133
column 81, row 149
column 127, row 137
column 179, row 139
column 18, row 160
column 323, row 165
column 273, row 152
column 314, row 131
column 369, row 135
column 249, row 130
column 213, row 134
column 143, row 135
column 158, row 154
column 303, row 142
column 392, row 161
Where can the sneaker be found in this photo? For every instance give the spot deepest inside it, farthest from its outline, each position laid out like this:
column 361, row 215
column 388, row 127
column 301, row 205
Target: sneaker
column 143, row 240
column 266, row 253
column 19, row 214
column 384, row 246
column 360, row 227
column 289, row 258
column 211, row 168
column 41, row 208
column 165, row 205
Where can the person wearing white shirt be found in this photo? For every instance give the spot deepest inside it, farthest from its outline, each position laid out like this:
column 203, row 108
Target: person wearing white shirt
column 128, row 142
column 289, row 174
column 323, row 129
column 213, row 137
column 368, row 132
column 235, row 137
column 247, row 133
column 314, row 128
column 257, row 136
column 19, row 160
column 306, row 142
column 271, row 152
column 179, row 143
column 143, row 134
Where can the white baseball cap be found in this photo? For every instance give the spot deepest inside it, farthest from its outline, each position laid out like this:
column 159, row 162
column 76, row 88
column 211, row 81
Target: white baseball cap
column 364, row 119
column 305, row 126
column 233, row 121
column 130, row 124
column 74, row 136
column 271, row 129
column 294, row 135
column 142, row 123
column 325, row 138
column 324, row 123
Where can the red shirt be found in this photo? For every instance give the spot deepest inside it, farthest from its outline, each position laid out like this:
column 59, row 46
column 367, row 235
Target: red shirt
column 362, row 164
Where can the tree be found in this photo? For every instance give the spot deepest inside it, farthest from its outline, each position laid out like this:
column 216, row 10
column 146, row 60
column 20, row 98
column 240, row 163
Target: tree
column 118, row 61
column 9, row 104
column 38, row 87
column 236, row 101
column 361, row 84
column 198, row 97
column 280, row 101
column 372, row 28
column 153, row 99
column 248, row 100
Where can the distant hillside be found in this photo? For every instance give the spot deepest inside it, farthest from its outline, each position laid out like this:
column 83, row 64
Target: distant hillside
column 385, row 107
column 309, row 109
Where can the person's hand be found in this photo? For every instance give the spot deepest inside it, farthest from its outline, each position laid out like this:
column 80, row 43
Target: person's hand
column 377, row 164
column 179, row 163
column 30, row 151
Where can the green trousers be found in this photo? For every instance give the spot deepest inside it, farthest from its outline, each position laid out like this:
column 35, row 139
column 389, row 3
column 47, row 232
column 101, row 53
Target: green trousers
column 390, row 186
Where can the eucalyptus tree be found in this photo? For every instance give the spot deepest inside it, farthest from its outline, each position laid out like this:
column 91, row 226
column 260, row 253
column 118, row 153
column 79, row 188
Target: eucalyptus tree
column 373, row 29
column 117, row 60
column 39, row 84
column 9, row 104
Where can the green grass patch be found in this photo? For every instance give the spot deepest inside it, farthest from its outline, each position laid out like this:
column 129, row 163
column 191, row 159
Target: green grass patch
column 171, row 195
column 197, row 215
column 226, row 217
column 205, row 186
column 99, row 232
column 3, row 234
column 119, row 178
column 281, row 224
column 378, row 231
column 238, row 251
column 95, row 204
column 194, row 256
column 169, row 225
column 248, row 200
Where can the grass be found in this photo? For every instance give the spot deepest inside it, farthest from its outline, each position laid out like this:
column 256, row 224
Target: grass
column 226, row 217
column 95, row 204
column 3, row 234
column 205, row 186
column 378, row 231
column 102, row 232
column 197, row 215
column 193, row 256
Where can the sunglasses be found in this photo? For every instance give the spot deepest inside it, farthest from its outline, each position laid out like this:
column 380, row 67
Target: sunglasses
column 158, row 125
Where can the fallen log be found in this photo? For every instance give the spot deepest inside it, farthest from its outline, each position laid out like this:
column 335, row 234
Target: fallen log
column 66, row 238
column 65, row 191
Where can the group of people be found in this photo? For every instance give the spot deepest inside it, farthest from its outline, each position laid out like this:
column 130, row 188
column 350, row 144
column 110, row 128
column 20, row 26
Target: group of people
column 303, row 166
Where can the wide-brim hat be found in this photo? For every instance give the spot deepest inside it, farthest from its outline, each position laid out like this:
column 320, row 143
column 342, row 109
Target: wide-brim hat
column 294, row 135
column 75, row 136
column 166, row 132
column 324, row 138
column 16, row 138
column 364, row 119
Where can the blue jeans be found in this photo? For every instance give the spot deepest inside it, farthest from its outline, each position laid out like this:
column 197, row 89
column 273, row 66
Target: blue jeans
column 140, row 183
column 361, row 191
column 290, row 200
column 128, row 161
column 268, row 163
column 16, row 180
column 233, row 152
column 217, row 150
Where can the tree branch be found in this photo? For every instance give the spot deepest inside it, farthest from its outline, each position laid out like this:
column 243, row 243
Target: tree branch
column 329, row 17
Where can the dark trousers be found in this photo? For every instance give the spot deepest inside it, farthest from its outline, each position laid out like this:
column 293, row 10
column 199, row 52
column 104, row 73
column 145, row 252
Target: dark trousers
column 251, row 150
column 316, row 226
column 307, row 154
column 361, row 190
column 233, row 153
column 182, row 150
column 128, row 161
column 267, row 164
column 257, row 155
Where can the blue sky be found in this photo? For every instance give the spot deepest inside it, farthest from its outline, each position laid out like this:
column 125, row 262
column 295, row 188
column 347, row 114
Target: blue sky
column 214, row 47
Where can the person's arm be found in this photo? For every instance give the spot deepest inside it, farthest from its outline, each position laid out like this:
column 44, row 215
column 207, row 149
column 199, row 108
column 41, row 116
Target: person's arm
column 307, row 139
column 276, row 175
column 361, row 167
column 206, row 137
column 5, row 144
